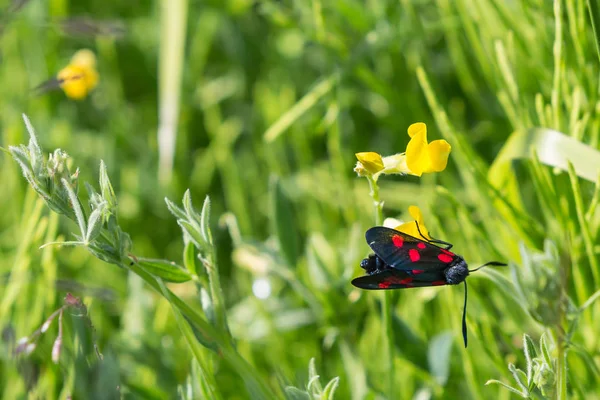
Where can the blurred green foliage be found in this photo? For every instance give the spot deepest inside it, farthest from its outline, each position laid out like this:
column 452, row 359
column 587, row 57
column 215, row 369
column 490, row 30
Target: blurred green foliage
column 275, row 99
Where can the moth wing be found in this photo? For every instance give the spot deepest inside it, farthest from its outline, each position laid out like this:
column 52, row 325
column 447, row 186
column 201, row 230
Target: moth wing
column 399, row 279
column 406, row 252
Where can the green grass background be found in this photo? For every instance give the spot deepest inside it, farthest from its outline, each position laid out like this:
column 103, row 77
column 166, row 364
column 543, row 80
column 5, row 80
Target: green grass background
column 275, row 99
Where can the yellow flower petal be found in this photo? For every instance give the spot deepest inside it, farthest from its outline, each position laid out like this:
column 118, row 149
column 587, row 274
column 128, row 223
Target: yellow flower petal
column 370, row 161
column 439, row 150
column 410, row 228
column 417, row 127
column 422, row 157
column 417, row 157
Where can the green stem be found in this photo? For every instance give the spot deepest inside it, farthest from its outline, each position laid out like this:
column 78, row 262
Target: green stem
column 256, row 386
column 594, row 9
column 376, row 202
column 561, row 381
column 561, row 344
column 386, row 309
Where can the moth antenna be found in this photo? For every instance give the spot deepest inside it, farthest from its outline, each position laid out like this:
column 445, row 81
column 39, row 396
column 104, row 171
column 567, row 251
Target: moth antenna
column 491, row 263
column 464, row 319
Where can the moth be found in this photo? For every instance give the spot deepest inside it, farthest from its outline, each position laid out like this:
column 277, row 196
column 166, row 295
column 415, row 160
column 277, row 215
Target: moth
column 402, row 261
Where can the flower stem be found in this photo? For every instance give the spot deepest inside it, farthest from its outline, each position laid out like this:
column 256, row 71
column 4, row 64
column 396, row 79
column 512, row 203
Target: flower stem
column 386, row 309
column 376, row 202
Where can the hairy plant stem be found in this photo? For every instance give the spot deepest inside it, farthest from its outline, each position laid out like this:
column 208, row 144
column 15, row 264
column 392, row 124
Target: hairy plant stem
column 224, row 348
column 386, row 309
column 561, row 358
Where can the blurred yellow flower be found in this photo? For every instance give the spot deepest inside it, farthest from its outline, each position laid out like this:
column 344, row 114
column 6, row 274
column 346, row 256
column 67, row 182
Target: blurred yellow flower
column 420, row 157
column 423, row 157
column 410, row 228
column 79, row 77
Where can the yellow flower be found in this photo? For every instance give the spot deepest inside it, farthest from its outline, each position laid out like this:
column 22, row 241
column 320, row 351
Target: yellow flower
column 369, row 163
column 410, row 228
column 420, row 157
column 79, row 77
column 423, row 157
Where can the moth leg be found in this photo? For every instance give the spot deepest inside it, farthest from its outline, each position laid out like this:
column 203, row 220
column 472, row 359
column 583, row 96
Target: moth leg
column 433, row 240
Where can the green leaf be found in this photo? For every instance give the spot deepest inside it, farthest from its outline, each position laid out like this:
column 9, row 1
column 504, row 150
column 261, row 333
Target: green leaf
column 293, row 393
column 35, row 151
column 74, row 200
column 189, row 258
column 166, row 270
column 176, row 211
column 504, row 385
column 302, row 106
column 529, row 350
column 313, row 378
column 205, row 222
column 545, row 351
column 188, row 206
column 207, row 384
column 590, row 300
column 106, row 188
column 330, row 388
column 438, row 356
column 552, row 148
column 284, row 225
column 193, row 233
column 94, row 225
column 594, row 9
column 519, row 377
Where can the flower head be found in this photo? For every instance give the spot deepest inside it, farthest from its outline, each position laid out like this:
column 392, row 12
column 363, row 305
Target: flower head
column 79, row 77
column 410, row 228
column 420, row 157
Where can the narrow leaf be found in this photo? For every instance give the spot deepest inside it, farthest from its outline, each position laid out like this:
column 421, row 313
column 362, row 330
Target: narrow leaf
column 205, row 222
column 519, row 377
column 313, row 377
column 108, row 193
column 76, row 207
column 94, row 225
column 529, row 350
column 283, row 223
column 293, row 393
column 552, row 148
column 545, row 351
column 176, row 211
column 301, row 107
column 330, row 388
column 512, row 389
column 166, row 270
column 189, row 258
column 193, row 233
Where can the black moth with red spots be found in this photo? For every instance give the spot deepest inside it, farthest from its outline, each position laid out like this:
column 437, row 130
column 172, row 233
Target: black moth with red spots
column 402, row 261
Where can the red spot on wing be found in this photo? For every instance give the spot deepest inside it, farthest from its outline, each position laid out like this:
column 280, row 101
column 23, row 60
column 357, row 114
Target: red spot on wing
column 414, row 255
column 401, row 281
column 447, row 252
column 438, row 283
column 394, row 280
column 398, row 240
column 445, row 258
column 417, row 271
column 421, row 245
